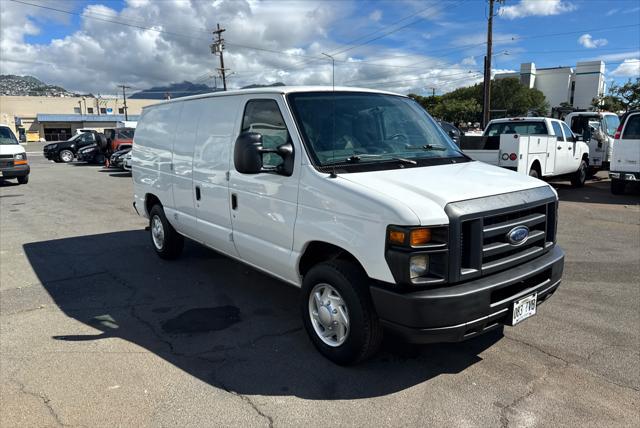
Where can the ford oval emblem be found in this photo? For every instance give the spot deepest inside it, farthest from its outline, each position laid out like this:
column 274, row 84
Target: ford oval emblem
column 518, row 235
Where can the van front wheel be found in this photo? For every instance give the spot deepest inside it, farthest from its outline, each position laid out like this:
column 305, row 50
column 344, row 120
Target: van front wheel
column 167, row 242
column 338, row 313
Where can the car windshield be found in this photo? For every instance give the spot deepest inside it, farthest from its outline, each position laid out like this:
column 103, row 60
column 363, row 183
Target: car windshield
column 520, row 127
column 7, row 137
column 611, row 122
column 357, row 127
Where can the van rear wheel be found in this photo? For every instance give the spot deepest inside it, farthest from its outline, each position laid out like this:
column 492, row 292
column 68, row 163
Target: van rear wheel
column 338, row 313
column 167, row 242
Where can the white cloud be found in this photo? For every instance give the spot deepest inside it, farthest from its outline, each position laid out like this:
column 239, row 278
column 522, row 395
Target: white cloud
column 612, row 12
column 469, row 61
column 629, row 68
column 535, row 8
column 376, row 15
column 99, row 55
column 590, row 43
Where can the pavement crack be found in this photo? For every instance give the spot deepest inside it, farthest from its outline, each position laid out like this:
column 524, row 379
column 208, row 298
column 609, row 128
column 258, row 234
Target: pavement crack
column 45, row 400
column 253, row 405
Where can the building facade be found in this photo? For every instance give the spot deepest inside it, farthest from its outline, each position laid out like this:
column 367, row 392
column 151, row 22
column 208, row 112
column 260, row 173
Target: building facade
column 53, row 118
column 575, row 86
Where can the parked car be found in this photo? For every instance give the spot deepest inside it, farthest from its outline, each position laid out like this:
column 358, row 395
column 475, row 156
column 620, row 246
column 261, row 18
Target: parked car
column 625, row 159
column 126, row 164
column 451, row 130
column 119, row 136
column 597, row 130
column 13, row 157
column 66, row 151
column 536, row 146
column 117, row 158
column 357, row 197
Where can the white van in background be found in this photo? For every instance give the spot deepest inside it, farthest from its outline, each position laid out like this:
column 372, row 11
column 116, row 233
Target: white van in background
column 625, row 160
column 597, row 130
column 359, row 198
column 13, row 157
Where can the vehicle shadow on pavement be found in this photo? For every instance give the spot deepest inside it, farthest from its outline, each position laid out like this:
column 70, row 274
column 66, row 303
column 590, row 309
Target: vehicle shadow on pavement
column 597, row 192
column 218, row 320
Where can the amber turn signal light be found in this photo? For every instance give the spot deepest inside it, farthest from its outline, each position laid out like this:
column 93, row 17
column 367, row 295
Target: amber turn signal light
column 396, row 237
column 20, row 162
column 420, row 237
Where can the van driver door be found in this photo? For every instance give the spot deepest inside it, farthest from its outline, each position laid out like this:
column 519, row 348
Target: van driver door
column 264, row 205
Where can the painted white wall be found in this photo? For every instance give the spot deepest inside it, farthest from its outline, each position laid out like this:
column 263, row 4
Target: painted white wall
column 589, row 78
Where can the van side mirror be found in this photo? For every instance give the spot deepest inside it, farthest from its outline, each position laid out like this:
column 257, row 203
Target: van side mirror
column 248, row 151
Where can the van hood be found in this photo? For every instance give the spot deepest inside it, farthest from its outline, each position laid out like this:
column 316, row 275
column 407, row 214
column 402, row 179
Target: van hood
column 419, row 188
column 11, row 149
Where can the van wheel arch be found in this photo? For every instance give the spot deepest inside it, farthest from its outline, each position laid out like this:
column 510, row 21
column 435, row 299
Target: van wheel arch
column 150, row 200
column 318, row 252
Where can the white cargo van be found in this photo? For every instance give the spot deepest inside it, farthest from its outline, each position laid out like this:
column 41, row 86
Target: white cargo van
column 625, row 159
column 359, row 198
column 597, row 130
column 537, row 146
column 13, row 157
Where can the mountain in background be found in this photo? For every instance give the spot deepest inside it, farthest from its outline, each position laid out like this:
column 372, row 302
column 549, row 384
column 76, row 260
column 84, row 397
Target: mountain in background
column 30, row 86
column 264, row 86
column 174, row 90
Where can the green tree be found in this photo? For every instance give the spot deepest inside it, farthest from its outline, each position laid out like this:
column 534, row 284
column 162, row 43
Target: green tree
column 628, row 94
column 608, row 103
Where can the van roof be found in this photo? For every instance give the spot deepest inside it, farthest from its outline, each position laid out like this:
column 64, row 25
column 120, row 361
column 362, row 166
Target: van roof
column 275, row 90
column 516, row 119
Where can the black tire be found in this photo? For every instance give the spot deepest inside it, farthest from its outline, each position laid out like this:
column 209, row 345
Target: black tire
column 68, row 154
column 365, row 333
column 578, row 178
column 172, row 242
column 533, row 173
column 591, row 172
column 57, row 160
column 24, row 179
column 617, row 186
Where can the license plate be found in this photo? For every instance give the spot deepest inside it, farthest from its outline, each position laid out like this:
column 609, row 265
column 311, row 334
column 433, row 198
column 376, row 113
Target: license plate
column 524, row 308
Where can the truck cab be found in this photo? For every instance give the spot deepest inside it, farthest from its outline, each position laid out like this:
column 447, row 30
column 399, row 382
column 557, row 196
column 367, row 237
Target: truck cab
column 597, row 130
column 538, row 146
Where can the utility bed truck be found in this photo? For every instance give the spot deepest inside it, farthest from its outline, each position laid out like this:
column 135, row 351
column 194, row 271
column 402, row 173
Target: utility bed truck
column 597, row 130
column 537, row 146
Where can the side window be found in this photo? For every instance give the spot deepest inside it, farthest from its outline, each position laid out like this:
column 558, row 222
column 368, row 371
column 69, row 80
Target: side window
column 557, row 129
column 264, row 117
column 632, row 128
column 568, row 134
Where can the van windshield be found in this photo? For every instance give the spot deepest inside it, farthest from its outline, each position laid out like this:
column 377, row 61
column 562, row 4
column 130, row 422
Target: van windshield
column 7, row 137
column 358, row 127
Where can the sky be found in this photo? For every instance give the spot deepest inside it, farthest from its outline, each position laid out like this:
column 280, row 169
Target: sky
column 404, row 46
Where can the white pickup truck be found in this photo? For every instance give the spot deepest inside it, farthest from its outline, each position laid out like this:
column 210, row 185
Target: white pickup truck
column 537, row 146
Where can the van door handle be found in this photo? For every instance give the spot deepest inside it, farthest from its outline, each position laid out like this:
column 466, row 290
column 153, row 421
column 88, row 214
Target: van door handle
column 234, row 201
column 559, row 147
column 198, row 193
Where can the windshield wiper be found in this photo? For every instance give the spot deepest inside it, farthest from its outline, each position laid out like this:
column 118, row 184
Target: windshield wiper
column 427, row 147
column 356, row 158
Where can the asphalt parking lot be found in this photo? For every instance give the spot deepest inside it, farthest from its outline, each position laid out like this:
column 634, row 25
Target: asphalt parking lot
column 95, row 330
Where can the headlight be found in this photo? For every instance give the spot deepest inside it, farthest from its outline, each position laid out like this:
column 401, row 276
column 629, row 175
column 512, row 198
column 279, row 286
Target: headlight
column 20, row 156
column 418, row 265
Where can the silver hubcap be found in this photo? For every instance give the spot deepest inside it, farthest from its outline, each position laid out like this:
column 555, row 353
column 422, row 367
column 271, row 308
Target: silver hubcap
column 157, row 232
column 329, row 315
column 66, row 156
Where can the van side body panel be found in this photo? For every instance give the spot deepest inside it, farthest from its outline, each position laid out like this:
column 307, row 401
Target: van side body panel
column 152, row 155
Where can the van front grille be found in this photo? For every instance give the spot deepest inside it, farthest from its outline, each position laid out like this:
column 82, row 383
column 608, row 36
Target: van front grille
column 479, row 231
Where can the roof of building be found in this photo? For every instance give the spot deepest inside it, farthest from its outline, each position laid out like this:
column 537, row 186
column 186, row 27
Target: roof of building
column 84, row 117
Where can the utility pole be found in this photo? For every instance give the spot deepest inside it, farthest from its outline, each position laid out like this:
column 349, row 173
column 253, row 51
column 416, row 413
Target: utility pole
column 333, row 70
column 217, row 47
column 124, row 98
column 486, row 99
column 433, row 92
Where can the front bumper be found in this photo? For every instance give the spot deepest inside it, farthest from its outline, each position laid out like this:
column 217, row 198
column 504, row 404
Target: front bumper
column 458, row 312
column 14, row 171
column 625, row 176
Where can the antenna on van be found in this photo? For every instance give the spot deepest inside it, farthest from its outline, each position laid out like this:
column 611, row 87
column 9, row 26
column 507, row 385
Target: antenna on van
column 333, row 113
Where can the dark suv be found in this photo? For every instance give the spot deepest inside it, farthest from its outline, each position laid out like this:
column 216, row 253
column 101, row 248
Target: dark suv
column 66, row 151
